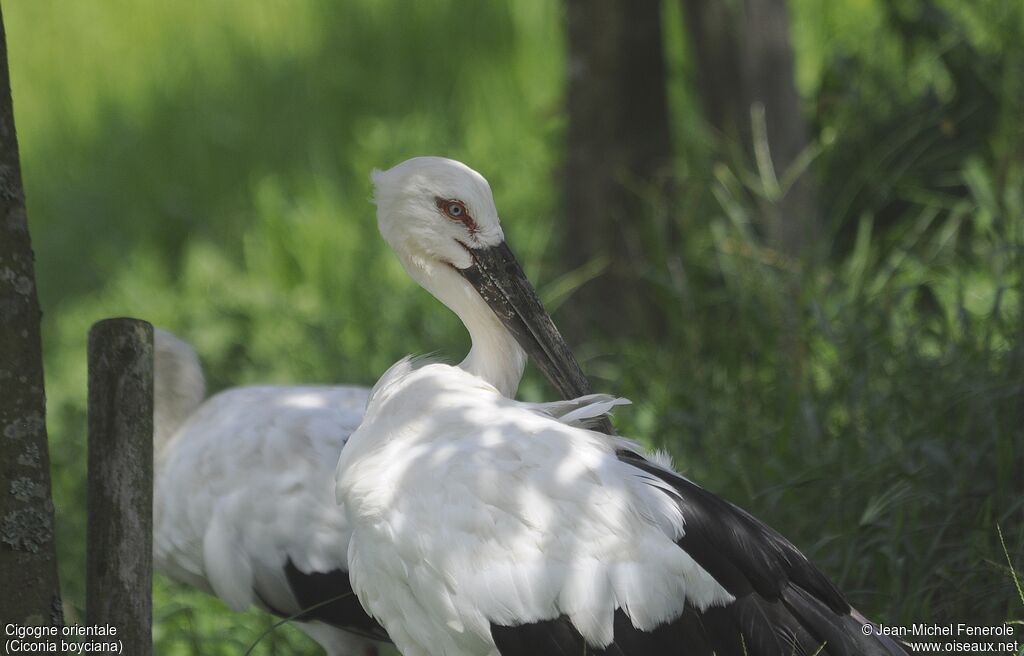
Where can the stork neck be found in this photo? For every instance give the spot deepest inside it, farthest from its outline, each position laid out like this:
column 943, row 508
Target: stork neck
column 494, row 354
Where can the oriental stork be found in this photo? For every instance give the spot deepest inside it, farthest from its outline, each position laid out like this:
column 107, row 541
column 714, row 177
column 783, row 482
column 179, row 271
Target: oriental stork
column 243, row 504
column 484, row 526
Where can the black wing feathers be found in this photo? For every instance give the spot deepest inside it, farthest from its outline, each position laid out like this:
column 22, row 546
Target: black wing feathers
column 843, row 634
column 738, row 549
column 783, row 605
column 548, row 638
column 329, row 598
column 716, row 632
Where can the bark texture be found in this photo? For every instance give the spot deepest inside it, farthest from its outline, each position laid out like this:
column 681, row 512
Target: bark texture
column 119, row 551
column 28, row 554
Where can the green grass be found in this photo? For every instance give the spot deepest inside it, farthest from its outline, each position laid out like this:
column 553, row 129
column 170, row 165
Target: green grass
column 204, row 165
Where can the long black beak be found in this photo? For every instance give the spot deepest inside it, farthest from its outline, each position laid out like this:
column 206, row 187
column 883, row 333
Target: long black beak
column 500, row 281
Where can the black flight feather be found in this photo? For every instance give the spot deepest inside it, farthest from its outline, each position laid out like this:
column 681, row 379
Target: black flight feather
column 783, row 605
column 329, row 598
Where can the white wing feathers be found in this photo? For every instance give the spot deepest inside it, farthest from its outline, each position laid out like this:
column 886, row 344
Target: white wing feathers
column 493, row 477
column 245, row 484
column 230, row 576
column 580, row 411
column 178, row 384
column 243, row 501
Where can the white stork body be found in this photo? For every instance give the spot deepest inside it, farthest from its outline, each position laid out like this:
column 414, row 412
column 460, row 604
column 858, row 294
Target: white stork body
column 485, row 526
column 243, row 503
column 472, row 509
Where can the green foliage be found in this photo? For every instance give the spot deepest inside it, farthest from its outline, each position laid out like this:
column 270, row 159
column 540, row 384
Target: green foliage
column 870, row 407
column 205, row 166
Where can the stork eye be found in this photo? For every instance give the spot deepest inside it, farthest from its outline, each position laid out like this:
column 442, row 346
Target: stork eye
column 454, row 209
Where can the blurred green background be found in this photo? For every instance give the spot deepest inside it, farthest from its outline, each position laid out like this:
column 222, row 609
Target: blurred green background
column 204, row 165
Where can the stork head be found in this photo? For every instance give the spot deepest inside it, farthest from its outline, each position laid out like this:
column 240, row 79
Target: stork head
column 439, row 217
column 434, row 210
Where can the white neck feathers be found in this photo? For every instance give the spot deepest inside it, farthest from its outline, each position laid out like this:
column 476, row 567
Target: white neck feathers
column 494, row 355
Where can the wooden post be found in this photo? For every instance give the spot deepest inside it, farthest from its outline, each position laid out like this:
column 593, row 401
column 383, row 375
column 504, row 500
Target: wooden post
column 119, row 550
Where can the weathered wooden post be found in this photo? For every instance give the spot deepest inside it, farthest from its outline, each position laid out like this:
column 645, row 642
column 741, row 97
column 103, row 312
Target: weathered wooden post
column 119, row 550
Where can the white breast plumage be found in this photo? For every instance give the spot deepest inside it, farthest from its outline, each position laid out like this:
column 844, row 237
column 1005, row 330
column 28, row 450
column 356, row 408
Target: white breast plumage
column 486, row 511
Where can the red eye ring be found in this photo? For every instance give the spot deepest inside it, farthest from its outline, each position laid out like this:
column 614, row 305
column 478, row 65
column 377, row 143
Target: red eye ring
column 456, row 210
column 453, row 208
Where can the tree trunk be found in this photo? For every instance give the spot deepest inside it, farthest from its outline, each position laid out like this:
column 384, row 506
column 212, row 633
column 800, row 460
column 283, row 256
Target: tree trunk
column 746, row 77
column 712, row 32
column 28, row 557
column 618, row 150
column 769, row 77
column 745, row 70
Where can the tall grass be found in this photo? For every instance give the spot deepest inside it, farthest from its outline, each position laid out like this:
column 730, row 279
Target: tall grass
column 885, row 434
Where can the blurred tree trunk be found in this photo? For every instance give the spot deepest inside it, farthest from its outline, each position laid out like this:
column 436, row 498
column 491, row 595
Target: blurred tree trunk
column 746, row 77
column 712, row 31
column 618, row 151
column 28, row 555
column 745, row 71
column 779, row 130
column 769, row 75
